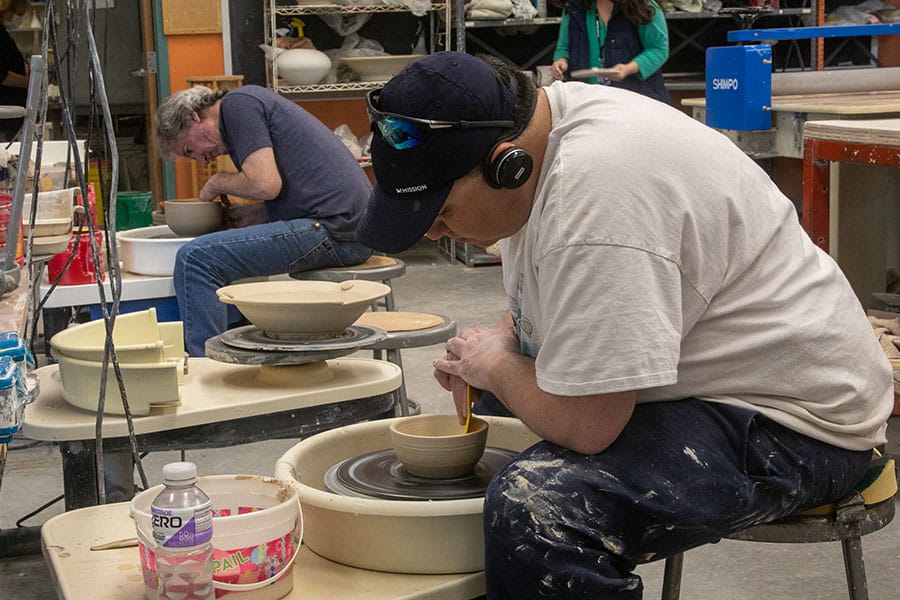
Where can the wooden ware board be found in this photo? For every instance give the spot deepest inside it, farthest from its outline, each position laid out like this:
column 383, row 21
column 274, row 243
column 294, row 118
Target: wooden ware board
column 884, row 132
column 185, row 17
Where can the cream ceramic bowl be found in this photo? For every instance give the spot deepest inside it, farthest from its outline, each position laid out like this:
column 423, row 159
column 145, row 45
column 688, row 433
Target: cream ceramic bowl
column 302, row 66
column 303, row 309
column 435, row 446
column 378, row 68
column 190, row 218
column 399, row 536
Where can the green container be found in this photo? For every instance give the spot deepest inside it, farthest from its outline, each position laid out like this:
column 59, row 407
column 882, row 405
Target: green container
column 133, row 210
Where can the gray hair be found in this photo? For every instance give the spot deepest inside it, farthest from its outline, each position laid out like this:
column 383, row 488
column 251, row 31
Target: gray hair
column 175, row 113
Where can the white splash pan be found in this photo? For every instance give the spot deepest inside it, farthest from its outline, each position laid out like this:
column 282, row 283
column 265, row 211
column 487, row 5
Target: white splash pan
column 150, row 250
column 438, row 536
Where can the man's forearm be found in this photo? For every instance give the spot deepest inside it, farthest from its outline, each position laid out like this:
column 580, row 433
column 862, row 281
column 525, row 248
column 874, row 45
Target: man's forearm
column 238, row 184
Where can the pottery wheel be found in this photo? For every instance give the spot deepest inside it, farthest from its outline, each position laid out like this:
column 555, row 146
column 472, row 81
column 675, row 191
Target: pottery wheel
column 250, row 337
column 259, row 349
column 380, row 474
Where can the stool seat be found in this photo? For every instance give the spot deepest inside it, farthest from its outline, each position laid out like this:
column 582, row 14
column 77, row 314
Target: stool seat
column 377, row 268
column 406, row 330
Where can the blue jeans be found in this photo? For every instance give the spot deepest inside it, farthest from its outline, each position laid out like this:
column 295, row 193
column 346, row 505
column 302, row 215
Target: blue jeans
column 559, row 524
column 211, row 261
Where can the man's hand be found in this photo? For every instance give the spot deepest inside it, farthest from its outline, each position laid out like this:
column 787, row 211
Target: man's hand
column 474, row 356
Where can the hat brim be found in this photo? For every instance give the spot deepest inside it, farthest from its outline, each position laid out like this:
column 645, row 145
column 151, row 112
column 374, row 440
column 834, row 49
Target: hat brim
column 392, row 224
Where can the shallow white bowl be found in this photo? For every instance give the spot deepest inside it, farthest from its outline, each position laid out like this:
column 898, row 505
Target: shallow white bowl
column 378, row 68
column 303, row 309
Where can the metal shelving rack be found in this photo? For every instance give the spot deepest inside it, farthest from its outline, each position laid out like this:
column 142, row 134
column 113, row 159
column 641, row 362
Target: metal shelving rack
column 439, row 24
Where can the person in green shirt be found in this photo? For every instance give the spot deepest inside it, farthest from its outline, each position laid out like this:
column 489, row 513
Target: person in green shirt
column 628, row 37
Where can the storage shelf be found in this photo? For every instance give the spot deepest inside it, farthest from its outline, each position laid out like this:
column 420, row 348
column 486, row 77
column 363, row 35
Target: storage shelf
column 328, row 9
column 480, row 23
column 781, row 12
column 438, row 34
column 328, row 88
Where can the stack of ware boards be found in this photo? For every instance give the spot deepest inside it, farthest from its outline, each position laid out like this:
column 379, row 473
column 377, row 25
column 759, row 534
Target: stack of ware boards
column 52, row 227
column 150, row 355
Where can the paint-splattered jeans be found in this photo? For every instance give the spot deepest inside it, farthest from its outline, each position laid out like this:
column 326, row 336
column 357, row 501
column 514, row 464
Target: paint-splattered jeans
column 559, row 524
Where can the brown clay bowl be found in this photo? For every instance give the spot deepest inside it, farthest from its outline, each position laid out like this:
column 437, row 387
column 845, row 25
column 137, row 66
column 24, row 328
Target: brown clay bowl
column 190, row 218
column 434, row 446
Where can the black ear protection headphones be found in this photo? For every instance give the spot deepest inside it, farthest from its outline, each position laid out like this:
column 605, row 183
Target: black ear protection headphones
column 512, row 167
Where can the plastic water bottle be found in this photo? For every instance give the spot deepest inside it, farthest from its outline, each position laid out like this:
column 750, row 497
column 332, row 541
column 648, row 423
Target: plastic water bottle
column 182, row 530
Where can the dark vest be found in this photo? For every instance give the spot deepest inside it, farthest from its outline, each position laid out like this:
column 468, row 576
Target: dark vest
column 622, row 45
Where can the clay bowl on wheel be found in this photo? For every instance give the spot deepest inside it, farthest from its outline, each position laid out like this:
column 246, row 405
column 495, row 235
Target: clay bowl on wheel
column 302, row 310
column 435, row 446
column 190, row 218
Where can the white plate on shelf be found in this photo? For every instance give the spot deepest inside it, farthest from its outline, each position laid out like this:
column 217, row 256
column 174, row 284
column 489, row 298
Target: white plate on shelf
column 378, row 68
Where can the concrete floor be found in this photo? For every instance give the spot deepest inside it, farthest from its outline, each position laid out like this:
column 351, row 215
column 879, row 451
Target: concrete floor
column 728, row 570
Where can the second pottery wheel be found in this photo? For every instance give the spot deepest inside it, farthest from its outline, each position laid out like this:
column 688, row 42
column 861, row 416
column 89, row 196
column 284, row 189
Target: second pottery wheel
column 249, row 345
column 380, row 474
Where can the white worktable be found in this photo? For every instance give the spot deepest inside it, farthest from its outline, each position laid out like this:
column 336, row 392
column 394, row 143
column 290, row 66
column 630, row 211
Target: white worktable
column 221, row 405
column 789, row 113
column 212, row 392
column 134, row 287
column 81, row 573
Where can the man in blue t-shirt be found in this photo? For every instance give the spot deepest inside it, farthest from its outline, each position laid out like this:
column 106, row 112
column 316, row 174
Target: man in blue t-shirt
column 313, row 188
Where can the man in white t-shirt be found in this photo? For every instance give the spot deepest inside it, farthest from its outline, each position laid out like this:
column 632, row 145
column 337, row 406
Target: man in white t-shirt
column 693, row 362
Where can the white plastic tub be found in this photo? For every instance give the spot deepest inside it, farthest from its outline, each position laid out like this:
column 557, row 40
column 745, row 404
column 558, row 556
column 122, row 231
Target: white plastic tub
column 150, row 250
column 257, row 531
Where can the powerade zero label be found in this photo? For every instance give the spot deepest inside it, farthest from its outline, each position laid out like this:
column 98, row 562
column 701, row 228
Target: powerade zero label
column 182, row 527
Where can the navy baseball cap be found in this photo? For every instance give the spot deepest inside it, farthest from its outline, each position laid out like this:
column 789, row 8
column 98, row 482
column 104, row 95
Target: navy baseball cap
column 432, row 124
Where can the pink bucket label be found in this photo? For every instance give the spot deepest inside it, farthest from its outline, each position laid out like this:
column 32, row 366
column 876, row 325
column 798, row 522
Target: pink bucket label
column 252, row 564
column 240, row 566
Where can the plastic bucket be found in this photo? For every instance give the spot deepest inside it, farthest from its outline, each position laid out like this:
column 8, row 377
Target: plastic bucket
column 81, row 271
column 257, row 530
column 133, row 210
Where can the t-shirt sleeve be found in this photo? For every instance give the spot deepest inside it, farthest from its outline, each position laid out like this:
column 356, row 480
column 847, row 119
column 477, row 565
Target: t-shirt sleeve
column 612, row 320
column 244, row 126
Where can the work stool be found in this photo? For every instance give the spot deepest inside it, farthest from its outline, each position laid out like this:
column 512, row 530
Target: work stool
column 406, row 330
column 377, row 268
column 866, row 509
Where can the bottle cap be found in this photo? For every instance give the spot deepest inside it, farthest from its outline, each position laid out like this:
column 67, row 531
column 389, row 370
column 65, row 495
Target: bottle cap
column 179, row 473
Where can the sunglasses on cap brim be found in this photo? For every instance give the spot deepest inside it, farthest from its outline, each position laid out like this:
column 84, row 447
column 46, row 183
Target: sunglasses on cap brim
column 402, row 132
